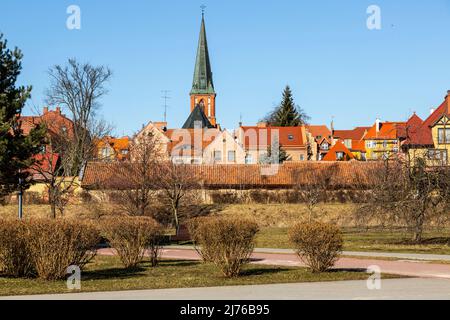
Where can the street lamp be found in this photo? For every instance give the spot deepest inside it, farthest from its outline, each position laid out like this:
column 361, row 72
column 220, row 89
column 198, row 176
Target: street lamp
column 20, row 198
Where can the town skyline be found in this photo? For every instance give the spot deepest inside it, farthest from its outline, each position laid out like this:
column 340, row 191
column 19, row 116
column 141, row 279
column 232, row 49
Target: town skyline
column 240, row 94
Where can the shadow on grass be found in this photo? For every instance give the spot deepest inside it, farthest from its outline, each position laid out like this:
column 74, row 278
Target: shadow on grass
column 113, row 273
column 261, row 271
column 348, row 270
column 140, row 270
column 177, row 263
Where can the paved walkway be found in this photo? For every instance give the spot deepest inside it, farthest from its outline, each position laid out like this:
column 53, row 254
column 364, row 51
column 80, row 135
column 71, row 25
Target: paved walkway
column 392, row 289
column 412, row 268
column 372, row 254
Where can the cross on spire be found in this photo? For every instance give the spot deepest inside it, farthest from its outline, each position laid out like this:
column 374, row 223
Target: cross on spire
column 203, row 7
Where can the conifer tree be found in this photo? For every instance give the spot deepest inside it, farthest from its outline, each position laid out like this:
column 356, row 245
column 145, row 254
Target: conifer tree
column 287, row 114
column 16, row 149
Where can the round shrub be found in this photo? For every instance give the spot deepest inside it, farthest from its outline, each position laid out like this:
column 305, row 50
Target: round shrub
column 318, row 244
column 14, row 258
column 55, row 244
column 131, row 236
column 226, row 242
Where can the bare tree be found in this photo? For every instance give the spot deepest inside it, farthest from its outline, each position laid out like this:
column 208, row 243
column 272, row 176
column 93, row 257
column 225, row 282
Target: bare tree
column 314, row 183
column 408, row 193
column 137, row 177
column 78, row 88
column 176, row 181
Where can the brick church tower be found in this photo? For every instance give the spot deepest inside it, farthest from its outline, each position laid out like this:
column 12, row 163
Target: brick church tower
column 202, row 93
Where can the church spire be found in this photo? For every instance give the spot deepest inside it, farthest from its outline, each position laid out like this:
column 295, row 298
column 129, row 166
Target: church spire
column 203, row 82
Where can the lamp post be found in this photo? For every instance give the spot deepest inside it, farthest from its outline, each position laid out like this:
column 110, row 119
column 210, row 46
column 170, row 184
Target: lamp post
column 20, row 198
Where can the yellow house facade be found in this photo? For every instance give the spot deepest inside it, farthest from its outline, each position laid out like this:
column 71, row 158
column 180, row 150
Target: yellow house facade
column 431, row 141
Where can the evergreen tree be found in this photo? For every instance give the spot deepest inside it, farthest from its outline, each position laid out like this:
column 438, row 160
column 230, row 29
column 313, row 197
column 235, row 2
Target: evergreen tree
column 287, row 114
column 16, row 150
column 269, row 157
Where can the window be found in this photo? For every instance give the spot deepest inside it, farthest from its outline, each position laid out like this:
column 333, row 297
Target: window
column 444, row 136
column 325, row 146
column 217, row 156
column 339, row 155
column 437, row 155
column 385, row 144
column 371, row 144
column 302, row 157
column 248, row 159
column 348, row 143
column 290, row 137
column 231, row 156
column 106, row 152
column 124, row 151
column 319, row 137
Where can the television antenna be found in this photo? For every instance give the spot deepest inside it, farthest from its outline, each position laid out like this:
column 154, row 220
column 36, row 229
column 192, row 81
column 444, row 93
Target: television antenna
column 165, row 96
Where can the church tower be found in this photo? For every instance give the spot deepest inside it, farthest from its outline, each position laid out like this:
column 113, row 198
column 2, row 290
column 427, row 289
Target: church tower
column 202, row 93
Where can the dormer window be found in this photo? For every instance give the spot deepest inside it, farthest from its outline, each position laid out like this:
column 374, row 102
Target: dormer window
column 290, row 137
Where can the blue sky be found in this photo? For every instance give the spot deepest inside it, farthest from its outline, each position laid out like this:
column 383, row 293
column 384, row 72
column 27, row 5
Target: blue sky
column 323, row 49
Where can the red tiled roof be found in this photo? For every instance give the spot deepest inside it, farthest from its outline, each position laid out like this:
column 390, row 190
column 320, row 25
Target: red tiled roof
column 54, row 121
column 261, row 137
column 118, row 144
column 388, row 131
column 354, row 134
column 317, row 131
column 422, row 135
column 338, row 147
column 98, row 175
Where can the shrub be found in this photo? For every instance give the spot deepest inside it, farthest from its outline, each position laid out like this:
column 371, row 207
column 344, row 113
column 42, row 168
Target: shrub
column 14, row 258
column 130, row 236
column 318, row 244
column 54, row 245
column 226, row 242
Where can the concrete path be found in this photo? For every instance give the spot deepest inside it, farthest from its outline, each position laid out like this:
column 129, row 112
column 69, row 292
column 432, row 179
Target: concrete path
column 392, row 289
column 371, row 254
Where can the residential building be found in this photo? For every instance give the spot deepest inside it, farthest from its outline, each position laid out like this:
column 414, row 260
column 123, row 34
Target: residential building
column 353, row 140
column 339, row 152
column 56, row 122
column 110, row 149
column 383, row 140
column 256, row 140
column 430, row 139
column 322, row 141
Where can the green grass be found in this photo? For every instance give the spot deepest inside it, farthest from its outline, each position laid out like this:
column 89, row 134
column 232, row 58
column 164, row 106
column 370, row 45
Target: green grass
column 371, row 240
column 107, row 274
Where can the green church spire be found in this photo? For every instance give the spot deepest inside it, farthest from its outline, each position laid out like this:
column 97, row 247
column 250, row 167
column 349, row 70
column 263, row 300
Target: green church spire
column 203, row 82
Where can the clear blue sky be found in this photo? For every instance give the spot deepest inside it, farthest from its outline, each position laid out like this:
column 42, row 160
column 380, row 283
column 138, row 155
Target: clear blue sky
column 323, row 49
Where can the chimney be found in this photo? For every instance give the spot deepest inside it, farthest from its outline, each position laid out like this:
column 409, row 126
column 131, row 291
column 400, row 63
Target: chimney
column 58, row 110
column 378, row 125
column 45, row 110
column 161, row 125
column 262, row 124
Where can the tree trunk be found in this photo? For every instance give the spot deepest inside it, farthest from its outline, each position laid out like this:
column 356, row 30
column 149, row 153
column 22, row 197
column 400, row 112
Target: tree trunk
column 175, row 216
column 418, row 229
column 52, row 209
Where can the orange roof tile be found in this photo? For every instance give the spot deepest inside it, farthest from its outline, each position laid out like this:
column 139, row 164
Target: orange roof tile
column 354, row 134
column 98, row 175
column 338, row 147
column 319, row 131
column 388, row 131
